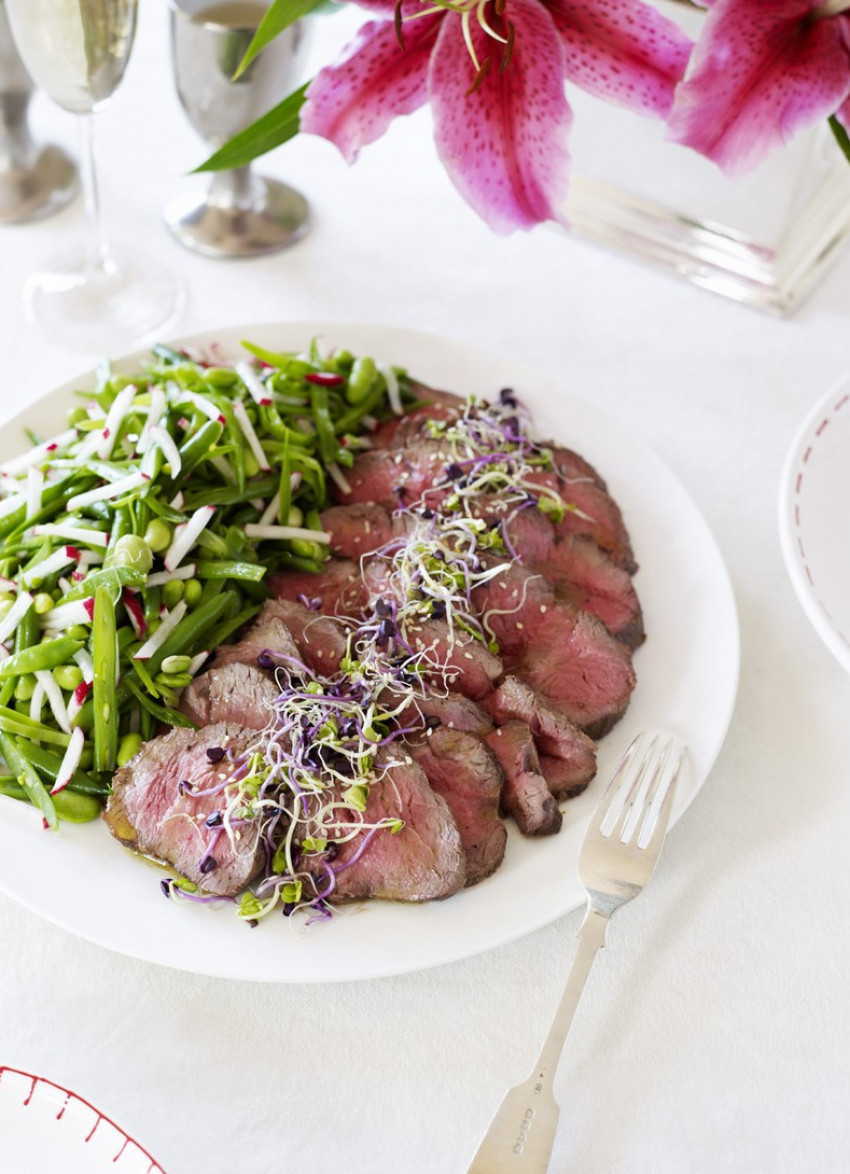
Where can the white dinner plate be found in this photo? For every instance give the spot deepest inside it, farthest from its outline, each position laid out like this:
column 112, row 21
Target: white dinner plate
column 687, row 675
column 814, row 519
column 44, row 1127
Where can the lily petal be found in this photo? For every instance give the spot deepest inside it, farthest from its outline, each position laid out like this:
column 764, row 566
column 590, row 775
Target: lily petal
column 760, row 72
column 353, row 101
column 623, row 51
column 504, row 144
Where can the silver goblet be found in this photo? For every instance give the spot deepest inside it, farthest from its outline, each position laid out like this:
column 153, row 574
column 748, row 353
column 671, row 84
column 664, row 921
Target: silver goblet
column 34, row 181
column 239, row 214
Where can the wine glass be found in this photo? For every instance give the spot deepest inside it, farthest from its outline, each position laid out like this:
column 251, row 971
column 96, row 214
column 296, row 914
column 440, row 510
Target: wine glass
column 94, row 297
column 239, row 214
column 34, row 181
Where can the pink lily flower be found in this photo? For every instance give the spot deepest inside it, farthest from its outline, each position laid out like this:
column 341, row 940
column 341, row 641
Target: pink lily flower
column 494, row 73
column 760, row 71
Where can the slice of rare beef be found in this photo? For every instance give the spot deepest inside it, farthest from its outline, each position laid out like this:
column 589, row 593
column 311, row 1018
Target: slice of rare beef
column 461, row 768
column 338, row 589
column 567, row 755
column 357, row 530
column 266, row 634
column 423, row 862
column 526, row 795
column 162, row 799
column 320, row 640
column 565, row 654
column 234, row 692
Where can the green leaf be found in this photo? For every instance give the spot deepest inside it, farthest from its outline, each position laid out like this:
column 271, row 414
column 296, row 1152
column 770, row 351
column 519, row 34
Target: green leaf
column 279, row 125
column 841, row 136
column 280, row 15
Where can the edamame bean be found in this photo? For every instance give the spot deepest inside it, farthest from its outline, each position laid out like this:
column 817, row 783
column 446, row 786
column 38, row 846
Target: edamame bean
column 68, row 676
column 158, row 535
column 128, row 748
column 133, row 551
column 192, row 592
column 173, row 592
column 76, row 808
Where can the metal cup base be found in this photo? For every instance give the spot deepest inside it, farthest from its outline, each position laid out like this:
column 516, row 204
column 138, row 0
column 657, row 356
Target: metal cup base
column 45, row 186
column 274, row 218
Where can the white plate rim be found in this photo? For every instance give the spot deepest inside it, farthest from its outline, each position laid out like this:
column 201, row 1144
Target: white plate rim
column 42, row 1087
column 400, row 939
column 831, row 410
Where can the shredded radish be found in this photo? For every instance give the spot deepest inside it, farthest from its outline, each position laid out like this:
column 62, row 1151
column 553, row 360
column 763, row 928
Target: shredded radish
column 72, row 533
column 54, row 699
column 169, row 449
column 160, row 578
column 269, row 513
column 10, row 504
column 393, row 393
column 338, row 476
column 114, row 418
column 36, row 702
column 5, row 653
column 254, row 384
column 106, row 492
column 186, row 536
column 155, row 412
column 135, row 612
column 250, row 435
column 41, row 451
column 78, row 699
column 197, row 662
column 35, row 488
column 222, row 464
column 285, row 533
column 70, row 761
column 65, row 585
column 84, row 660
column 65, row 615
column 162, row 633
column 176, row 502
column 90, row 558
column 14, row 615
column 204, row 405
column 48, row 566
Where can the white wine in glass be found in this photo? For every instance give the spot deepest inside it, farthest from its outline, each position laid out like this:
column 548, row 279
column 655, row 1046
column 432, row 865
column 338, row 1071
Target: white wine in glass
column 95, row 297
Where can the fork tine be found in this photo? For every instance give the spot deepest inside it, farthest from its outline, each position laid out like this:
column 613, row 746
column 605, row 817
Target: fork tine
column 607, row 800
column 659, row 829
column 628, row 808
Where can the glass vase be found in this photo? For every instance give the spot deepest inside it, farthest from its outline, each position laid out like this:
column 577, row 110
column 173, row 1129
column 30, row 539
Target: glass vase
column 764, row 238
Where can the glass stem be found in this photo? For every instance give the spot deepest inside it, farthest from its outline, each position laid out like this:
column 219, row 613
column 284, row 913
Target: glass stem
column 98, row 249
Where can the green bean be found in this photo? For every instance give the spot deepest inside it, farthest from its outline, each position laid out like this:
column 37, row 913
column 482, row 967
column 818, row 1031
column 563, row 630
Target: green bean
column 110, row 578
column 233, row 625
column 162, row 713
column 39, row 656
column 105, row 657
column 198, row 446
column 364, row 375
column 12, row 722
column 27, row 776
column 229, row 569
column 328, row 444
column 230, row 495
column 48, row 765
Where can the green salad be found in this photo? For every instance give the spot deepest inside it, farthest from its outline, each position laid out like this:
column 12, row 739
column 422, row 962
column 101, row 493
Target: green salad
column 140, row 538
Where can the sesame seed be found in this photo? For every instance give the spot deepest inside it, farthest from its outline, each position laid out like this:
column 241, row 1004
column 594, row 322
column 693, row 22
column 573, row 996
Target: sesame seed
column 543, row 609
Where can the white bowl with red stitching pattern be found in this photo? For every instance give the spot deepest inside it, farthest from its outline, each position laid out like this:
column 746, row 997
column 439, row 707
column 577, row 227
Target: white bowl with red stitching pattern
column 46, row 1128
column 814, row 519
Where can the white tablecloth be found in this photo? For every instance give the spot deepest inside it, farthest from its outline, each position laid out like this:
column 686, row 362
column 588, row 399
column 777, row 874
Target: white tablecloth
column 713, row 1035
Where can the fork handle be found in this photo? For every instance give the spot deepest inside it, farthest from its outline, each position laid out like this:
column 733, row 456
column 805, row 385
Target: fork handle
column 522, row 1133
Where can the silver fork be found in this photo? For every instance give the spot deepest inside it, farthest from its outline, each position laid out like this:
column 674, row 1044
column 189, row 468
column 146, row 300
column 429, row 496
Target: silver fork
column 617, row 858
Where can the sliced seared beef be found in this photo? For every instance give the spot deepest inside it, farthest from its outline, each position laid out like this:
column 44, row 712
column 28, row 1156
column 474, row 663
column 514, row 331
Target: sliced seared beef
column 266, row 635
column 357, row 529
column 400, row 475
column 235, row 692
column 461, row 768
column 588, row 577
column 452, row 710
column 566, row 654
column 579, row 570
column 320, row 640
column 464, row 663
column 567, row 756
column 337, row 589
column 400, row 430
column 526, row 795
column 422, row 862
column 590, row 510
column 153, row 811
